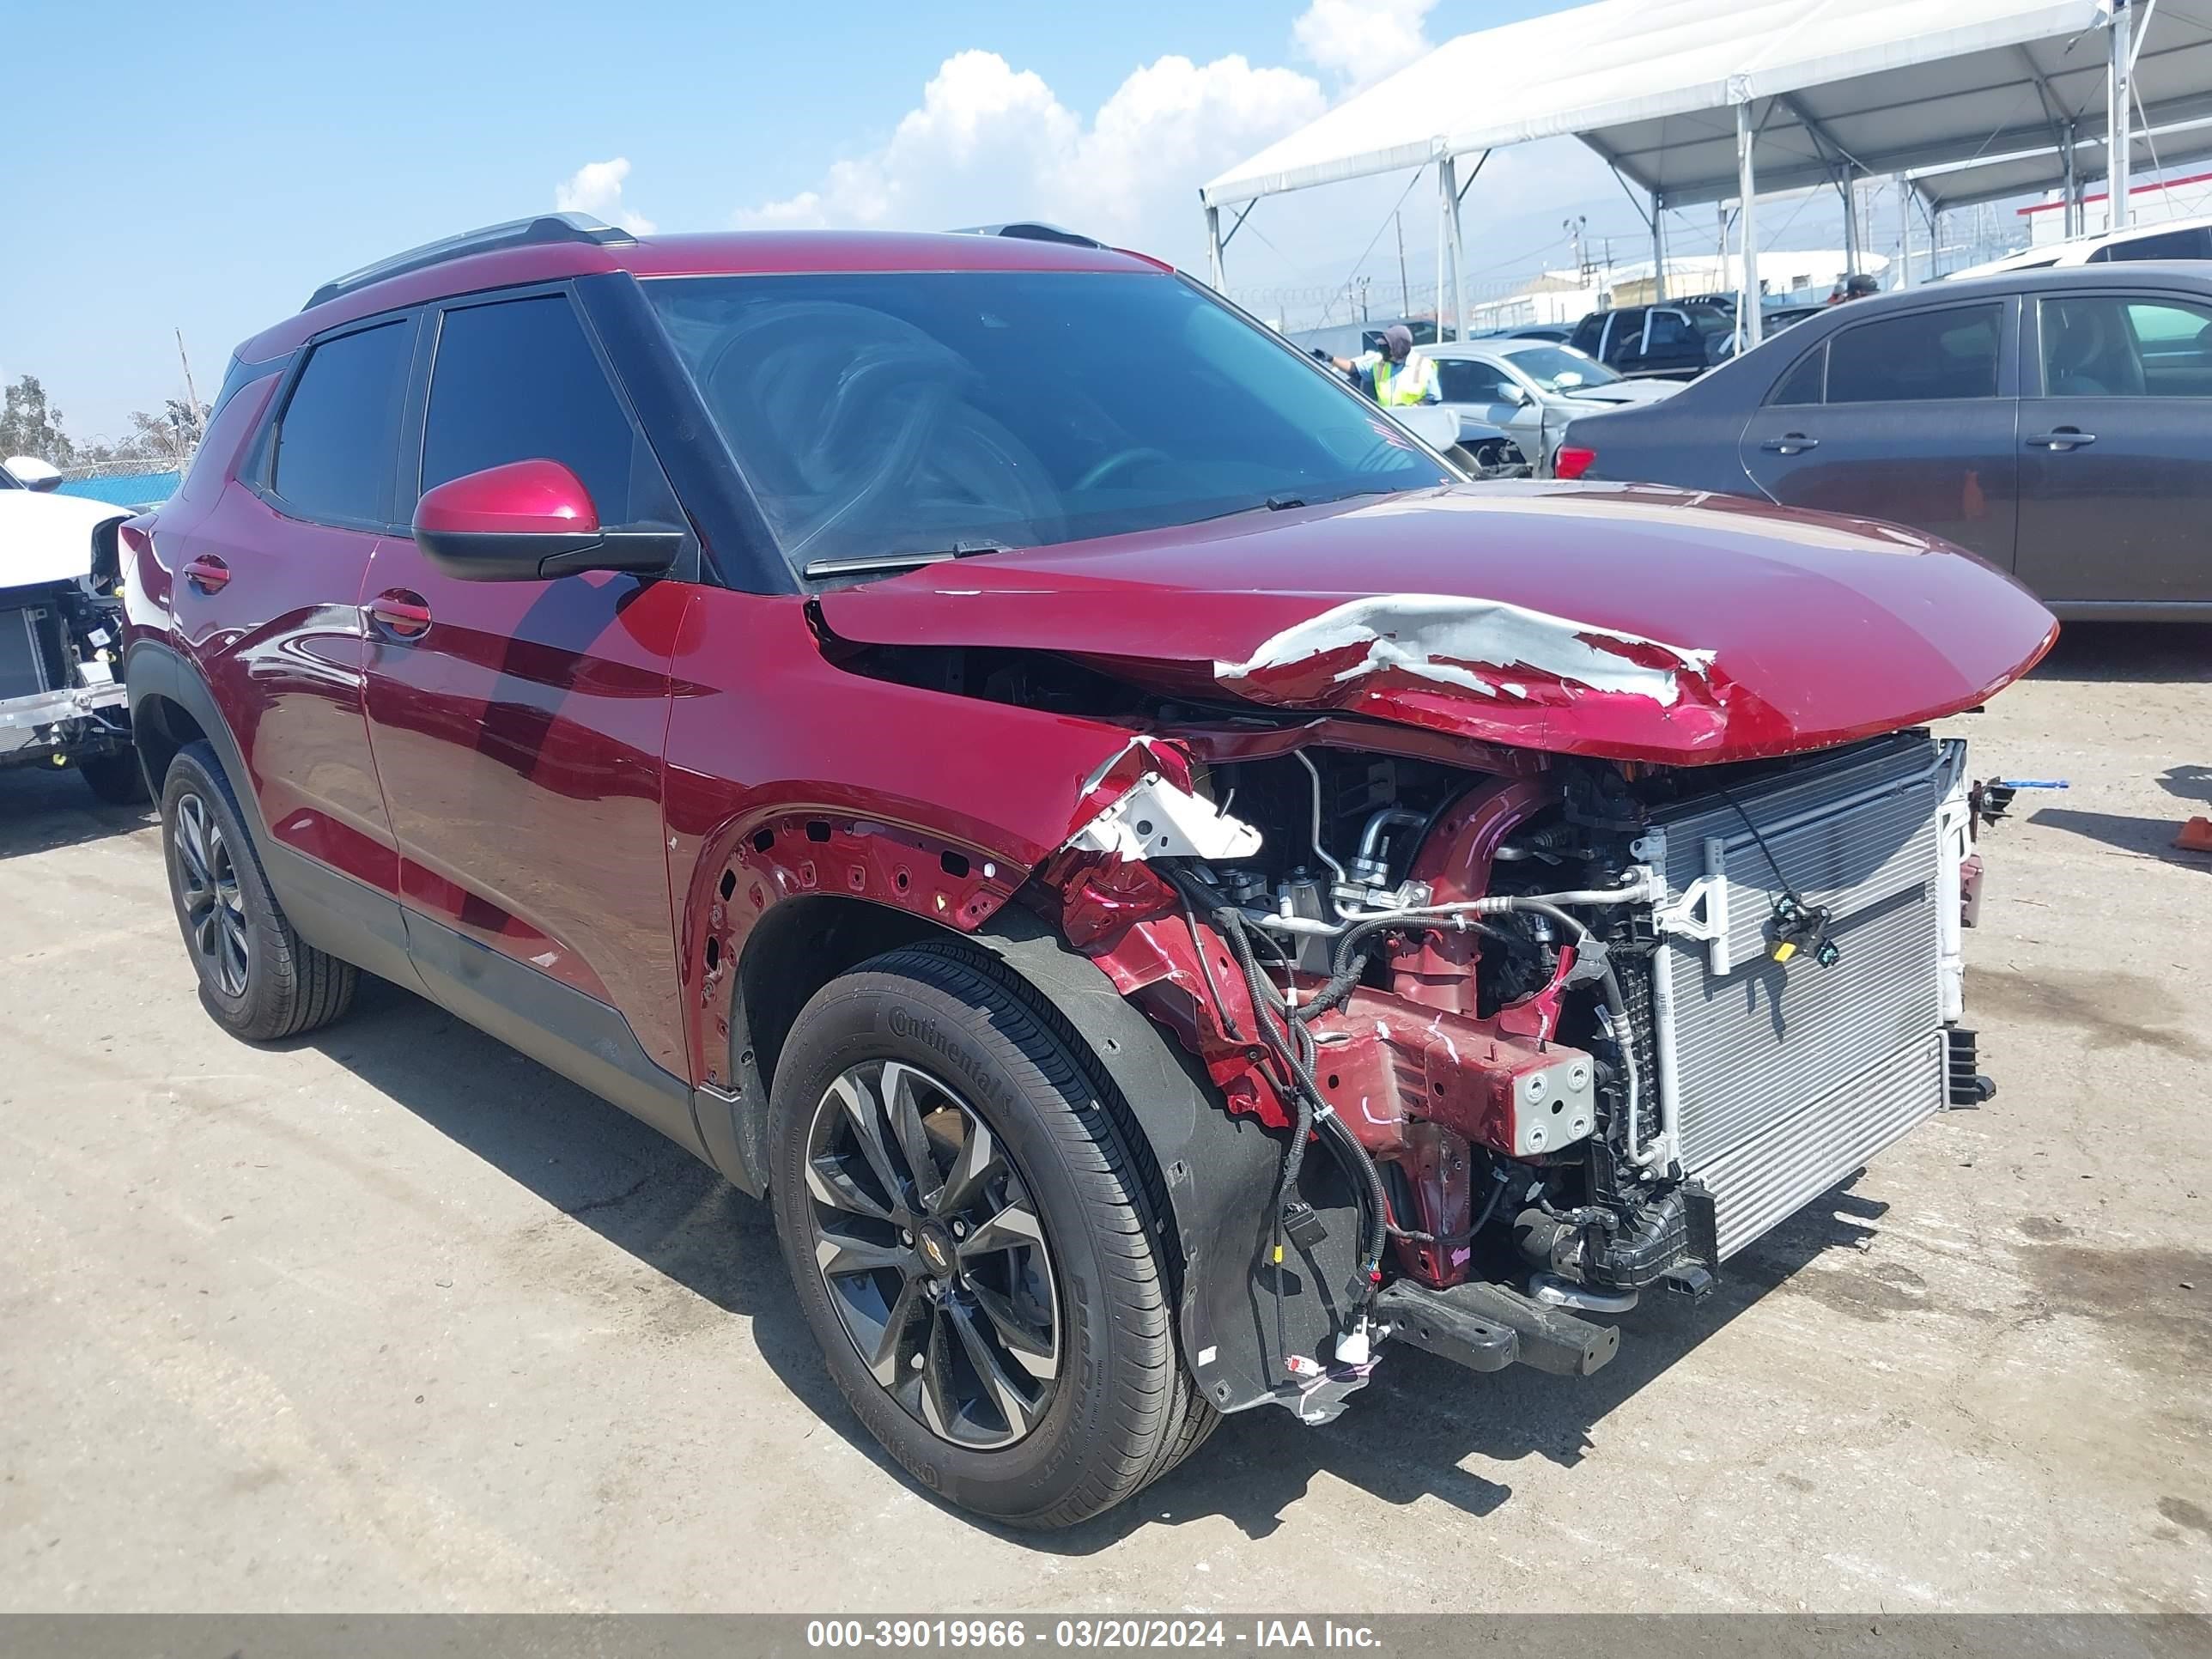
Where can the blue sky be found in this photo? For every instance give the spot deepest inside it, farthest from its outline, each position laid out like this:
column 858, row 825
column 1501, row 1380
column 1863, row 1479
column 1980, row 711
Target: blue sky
column 206, row 169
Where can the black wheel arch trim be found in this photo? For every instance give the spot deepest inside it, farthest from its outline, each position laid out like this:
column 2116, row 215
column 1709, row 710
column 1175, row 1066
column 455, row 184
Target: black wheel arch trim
column 1216, row 1170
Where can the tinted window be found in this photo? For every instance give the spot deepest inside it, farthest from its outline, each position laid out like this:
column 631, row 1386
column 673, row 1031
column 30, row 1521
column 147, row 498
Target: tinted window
column 1626, row 336
column 883, row 413
column 2106, row 346
column 336, row 444
column 2164, row 244
column 1463, row 382
column 518, row 381
column 1671, row 331
column 1803, row 383
column 1917, row 357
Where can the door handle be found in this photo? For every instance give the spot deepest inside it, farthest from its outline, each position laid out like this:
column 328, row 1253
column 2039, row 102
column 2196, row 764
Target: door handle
column 2062, row 438
column 207, row 573
column 1790, row 443
column 400, row 613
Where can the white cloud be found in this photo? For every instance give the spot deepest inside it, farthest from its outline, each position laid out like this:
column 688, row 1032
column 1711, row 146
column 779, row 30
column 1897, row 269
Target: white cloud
column 596, row 188
column 1360, row 41
column 989, row 143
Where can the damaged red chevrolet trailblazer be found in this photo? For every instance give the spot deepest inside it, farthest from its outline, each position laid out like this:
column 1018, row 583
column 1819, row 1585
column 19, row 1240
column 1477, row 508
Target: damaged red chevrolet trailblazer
column 1168, row 889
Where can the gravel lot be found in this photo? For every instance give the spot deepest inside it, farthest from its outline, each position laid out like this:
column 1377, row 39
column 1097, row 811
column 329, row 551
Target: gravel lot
column 393, row 1319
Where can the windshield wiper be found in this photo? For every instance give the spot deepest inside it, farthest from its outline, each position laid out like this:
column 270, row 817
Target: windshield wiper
column 867, row 562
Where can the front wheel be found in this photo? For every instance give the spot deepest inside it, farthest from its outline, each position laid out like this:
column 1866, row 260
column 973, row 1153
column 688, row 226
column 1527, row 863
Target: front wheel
column 973, row 1242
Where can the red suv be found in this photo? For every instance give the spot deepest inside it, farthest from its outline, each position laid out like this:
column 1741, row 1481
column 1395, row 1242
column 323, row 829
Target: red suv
column 1168, row 889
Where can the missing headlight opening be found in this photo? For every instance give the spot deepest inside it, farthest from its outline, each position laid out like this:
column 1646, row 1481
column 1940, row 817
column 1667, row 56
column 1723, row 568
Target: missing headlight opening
column 1519, row 1027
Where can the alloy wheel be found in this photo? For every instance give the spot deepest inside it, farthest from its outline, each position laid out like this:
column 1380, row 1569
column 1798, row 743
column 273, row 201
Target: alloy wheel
column 215, row 913
column 933, row 1254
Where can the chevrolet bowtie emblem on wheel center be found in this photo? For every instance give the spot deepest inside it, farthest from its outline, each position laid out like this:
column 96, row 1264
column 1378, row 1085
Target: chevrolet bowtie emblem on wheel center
column 935, row 1252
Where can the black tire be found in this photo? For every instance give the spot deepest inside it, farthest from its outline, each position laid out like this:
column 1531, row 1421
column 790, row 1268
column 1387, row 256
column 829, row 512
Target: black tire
column 282, row 986
column 1122, row 1410
column 115, row 779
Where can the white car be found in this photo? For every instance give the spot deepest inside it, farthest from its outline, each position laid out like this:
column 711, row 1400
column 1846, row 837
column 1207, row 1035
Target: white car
column 62, row 700
column 1524, row 392
column 2169, row 238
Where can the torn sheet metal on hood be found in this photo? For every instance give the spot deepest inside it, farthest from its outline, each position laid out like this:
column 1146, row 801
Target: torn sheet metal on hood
column 1496, row 650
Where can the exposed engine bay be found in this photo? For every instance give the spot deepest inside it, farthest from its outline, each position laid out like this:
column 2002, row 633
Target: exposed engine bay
column 62, row 697
column 1586, row 1028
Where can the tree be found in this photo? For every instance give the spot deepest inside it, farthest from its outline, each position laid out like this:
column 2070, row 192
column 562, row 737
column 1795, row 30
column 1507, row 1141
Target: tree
column 31, row 426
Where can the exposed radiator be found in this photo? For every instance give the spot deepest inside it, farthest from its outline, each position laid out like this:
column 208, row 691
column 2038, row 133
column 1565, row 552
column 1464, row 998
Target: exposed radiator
column 1780, row 1081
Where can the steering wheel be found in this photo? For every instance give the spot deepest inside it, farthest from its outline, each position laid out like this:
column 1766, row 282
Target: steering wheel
column 1114, row 463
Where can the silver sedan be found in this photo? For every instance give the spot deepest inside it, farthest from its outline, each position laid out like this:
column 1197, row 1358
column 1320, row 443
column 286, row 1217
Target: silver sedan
column 1521, row 394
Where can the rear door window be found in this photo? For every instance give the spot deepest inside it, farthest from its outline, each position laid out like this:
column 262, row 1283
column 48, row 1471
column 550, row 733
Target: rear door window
column 1923, row 356
column 338, row 440
column 517, row 380
column 1671, row 332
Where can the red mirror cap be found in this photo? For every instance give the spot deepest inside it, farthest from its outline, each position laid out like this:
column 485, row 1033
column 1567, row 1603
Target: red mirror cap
column 522, row 498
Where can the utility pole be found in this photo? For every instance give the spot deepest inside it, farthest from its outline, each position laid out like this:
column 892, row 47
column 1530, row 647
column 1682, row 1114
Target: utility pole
column 2119, row 138
column 192, row 396
column 1405, row 289
column 1574, row 227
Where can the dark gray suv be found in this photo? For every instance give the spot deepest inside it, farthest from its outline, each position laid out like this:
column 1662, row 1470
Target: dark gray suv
column 2057, row 423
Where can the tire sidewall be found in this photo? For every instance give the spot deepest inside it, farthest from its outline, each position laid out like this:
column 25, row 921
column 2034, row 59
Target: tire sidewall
column 189, row 775
column 875, row 1015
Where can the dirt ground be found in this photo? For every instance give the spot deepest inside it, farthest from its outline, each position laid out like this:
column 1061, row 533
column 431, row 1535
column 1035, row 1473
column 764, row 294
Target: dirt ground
column 391, row 1318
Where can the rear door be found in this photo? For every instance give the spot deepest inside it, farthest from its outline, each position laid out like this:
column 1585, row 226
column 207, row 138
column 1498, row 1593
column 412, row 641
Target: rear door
column 1624, row 341
column 2115, row 457
column 1909, row 417
column 268, row 587
column 518, row 726
column 1672, row 344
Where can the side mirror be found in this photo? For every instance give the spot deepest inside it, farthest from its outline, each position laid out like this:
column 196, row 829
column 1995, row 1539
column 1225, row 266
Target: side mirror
column 33, row 473
column 529, row 521
column 1511, row 392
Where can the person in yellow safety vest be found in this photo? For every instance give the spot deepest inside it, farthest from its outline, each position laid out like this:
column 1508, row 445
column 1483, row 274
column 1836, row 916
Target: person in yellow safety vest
column 1392, row 376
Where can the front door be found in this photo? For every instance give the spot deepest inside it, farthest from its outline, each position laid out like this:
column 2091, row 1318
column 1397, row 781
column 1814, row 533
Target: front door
column 1908, row 416
column 2115, row 457
column 518, row 727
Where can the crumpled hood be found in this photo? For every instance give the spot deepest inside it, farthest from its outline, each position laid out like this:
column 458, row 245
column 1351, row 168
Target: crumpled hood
column 48, row 538
column 1619, row 621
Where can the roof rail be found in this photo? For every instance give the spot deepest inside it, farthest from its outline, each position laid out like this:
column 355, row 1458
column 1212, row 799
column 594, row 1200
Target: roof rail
column 543, row 228
column 1034, row 230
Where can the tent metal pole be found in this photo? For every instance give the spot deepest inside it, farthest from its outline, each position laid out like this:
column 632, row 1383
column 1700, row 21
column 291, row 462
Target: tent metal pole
column 1747, row 319
column 1443, row 225
column 1847, row 186
column 1904, row 231
column 2070, row 218
column 1213, row 276
column 1658, row 247
column 1458, row 248
column 2120, row 126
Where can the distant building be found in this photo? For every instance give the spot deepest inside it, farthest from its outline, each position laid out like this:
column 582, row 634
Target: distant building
column 2169, row 198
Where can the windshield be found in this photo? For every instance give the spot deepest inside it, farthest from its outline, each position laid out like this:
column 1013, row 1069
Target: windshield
column 9, row 480
column 1556, row 368
column 879, row 414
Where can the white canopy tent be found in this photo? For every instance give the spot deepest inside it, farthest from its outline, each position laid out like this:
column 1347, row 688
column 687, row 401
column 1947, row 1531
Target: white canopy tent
column 1704, row 101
